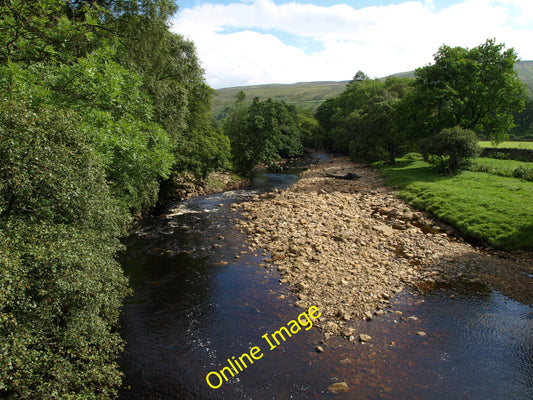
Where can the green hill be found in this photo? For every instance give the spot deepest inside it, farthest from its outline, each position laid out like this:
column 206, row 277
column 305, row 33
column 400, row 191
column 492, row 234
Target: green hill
column 525, row 71
column 309, row 95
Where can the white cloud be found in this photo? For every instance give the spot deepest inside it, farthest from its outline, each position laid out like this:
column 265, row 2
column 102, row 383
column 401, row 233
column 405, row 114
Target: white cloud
column 378, row 40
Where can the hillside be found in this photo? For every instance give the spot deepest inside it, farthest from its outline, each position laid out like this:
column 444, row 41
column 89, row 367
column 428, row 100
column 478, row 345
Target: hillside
column 525, row 71
column 309, row 95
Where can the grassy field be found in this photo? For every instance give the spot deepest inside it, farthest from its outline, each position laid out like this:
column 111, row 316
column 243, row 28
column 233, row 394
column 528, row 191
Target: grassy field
column 484, row 208
column 507, row 145
column 509, row 168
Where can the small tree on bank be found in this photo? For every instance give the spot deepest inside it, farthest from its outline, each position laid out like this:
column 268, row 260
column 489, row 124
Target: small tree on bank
column 452, row 147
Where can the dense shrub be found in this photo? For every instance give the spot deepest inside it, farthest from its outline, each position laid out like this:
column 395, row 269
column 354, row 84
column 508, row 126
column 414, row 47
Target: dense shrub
column 60, row 286
column 451, row 147
column 99, row 103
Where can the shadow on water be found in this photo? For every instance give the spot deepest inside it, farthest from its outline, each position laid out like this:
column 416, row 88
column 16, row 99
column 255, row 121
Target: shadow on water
column 200, row 298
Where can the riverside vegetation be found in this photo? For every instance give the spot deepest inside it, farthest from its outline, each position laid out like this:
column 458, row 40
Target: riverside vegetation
column 104, row 111
column 100, row 103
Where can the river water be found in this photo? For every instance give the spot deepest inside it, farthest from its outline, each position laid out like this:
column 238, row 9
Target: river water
column 200, row 298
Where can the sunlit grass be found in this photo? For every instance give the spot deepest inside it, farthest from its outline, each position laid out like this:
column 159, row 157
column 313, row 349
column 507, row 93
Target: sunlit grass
column 483, row 207
column 509, row 168
column 507, row 145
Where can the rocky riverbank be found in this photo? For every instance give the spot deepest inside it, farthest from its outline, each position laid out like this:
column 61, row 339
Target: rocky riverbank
column 348, row 245
column 186, row 186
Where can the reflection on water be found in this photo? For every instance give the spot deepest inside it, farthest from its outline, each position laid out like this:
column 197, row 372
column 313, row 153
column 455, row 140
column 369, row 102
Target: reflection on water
column 200, row 298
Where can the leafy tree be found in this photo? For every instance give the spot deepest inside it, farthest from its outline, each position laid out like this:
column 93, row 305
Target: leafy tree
column 376, row 136
column 98, row 101
column 452, row 147
column 524, row 121
column 61, row 286
column 360, row 76
column 325, row 115
column 37, row 30
column 174, row 80
column 262, row 132
column 476, row 89
column 361, row 121
column 136, row 152
column 340, row 117
column 313, row 135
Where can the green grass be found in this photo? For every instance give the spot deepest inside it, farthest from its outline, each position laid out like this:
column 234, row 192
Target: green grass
column 507, row 145
column 509, row 168
column 484, row 208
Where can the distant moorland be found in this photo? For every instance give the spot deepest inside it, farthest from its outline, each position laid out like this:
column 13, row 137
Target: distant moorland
column 309, row 95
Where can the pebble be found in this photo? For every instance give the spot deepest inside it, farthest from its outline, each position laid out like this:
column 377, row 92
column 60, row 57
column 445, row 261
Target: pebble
column 339, row 387
column 363, row 337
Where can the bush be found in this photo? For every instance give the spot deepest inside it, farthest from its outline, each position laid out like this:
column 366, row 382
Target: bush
column 523, row 172
column 60, row 286
column 452, row 147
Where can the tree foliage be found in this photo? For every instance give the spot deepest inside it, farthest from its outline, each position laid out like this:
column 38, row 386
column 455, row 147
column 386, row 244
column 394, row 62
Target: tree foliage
column 100, row 102
column 312, row 134
column 262, row 133
column 524, row 121
column 452, row 147
column 61, row 287
column 475, row 89
column 361, row 121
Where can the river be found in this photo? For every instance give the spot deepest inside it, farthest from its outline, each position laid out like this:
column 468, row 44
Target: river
column 200, row 298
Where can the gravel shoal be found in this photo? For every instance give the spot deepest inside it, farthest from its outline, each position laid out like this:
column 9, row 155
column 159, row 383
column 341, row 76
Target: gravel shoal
column 348, row 245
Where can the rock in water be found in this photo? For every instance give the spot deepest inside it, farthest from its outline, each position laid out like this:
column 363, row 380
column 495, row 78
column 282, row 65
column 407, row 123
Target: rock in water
column 339, row 387
column 364, row 337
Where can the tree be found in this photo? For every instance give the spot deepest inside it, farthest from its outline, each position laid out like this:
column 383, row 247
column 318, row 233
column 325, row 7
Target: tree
column 61, row 286
column 174, row 81
column 360, row 76
column 475, row 89
column 361, row 121
column 377, row 136
column 452, row 147
column 313, row 135
column 524, row 121
column 325, row 114
column 262, row 132
column 339, row 117
column 98, row 100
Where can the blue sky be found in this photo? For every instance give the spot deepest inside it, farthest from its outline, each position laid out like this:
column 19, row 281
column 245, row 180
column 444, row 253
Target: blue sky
column 247, row 42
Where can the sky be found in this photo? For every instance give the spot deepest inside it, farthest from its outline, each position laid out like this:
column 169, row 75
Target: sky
column 251, row 42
